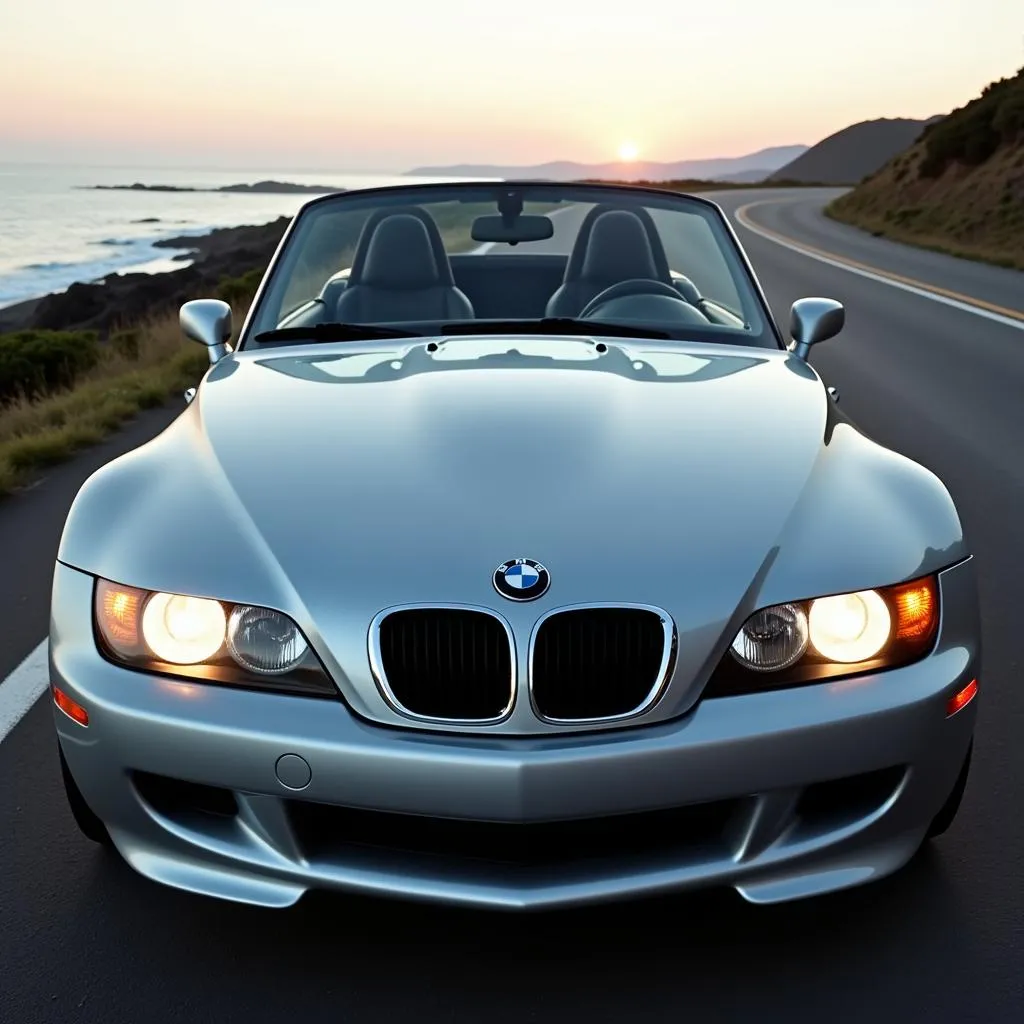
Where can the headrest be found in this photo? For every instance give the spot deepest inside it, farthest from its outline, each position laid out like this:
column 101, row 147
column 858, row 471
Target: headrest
column 400, row 255
column 618, row 249
column 369, row 229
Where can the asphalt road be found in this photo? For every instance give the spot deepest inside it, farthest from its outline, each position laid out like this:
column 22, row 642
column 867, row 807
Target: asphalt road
column 84, row 939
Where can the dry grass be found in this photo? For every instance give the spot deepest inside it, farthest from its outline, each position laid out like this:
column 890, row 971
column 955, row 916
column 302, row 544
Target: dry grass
column 972, row 212
column 37, row 434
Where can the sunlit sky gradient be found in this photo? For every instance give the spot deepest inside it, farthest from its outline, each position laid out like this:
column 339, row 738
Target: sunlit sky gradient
column 390, row 84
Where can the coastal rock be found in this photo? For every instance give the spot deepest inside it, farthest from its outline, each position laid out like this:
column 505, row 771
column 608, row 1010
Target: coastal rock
column 125, row 298
column 274, row 187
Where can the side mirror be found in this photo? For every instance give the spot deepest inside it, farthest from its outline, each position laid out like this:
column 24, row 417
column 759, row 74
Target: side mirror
column 208, row 321
column 814, row 320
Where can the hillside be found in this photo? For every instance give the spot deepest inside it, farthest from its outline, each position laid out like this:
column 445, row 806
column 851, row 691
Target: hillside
column 960, row 188
column 847, row 156
column 726, row 168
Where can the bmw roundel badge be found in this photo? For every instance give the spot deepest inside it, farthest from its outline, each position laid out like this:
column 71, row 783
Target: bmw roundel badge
column 521, row 579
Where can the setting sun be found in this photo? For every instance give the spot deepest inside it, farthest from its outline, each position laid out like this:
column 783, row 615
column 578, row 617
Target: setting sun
column 627, row 152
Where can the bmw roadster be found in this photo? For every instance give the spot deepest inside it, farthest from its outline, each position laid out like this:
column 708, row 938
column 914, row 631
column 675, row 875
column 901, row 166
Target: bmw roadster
column 509, row 555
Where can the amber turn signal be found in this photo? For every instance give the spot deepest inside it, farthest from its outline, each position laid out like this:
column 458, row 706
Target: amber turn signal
column 117, row 614
column 917, row 609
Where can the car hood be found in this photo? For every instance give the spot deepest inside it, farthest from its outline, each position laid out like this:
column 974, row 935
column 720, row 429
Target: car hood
column 702, row 480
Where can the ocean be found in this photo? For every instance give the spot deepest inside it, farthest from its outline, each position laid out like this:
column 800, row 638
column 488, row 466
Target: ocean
column 54, row 233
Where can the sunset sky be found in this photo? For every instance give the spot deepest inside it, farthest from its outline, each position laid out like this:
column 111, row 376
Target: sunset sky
column 307, row 84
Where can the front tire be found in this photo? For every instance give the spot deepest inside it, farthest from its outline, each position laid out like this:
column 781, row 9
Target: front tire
column 88, row 823
column 942, row 821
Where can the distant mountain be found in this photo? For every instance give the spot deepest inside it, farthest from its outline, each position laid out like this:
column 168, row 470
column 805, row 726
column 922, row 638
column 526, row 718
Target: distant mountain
column 761, row 163
column 746, row 177
column 853, row 153
column 959, row 188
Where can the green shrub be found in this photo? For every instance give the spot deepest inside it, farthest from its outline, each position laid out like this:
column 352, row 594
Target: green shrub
column 1009, row 118
column 904, row 213
column 971, row 134
column 126, row 343
column 37, row 363
column 238, row 291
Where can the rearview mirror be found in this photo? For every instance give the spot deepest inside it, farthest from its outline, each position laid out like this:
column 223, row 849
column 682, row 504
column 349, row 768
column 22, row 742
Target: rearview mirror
column 208, row 321
column 524, row 228
column 814, row 320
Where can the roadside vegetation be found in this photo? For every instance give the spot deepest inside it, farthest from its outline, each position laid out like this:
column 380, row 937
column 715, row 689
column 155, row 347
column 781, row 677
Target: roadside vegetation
column 62, row 391
column 959, row 189
column 45, row 422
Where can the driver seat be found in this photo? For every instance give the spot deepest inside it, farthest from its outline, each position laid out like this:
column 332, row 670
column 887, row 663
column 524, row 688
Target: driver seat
column 613, row 245
column 401, row 272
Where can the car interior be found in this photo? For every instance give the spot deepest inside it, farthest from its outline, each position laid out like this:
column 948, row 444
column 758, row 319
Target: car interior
column 617, row 269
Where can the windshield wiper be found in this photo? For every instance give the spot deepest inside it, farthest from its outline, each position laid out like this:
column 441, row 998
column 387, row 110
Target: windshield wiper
column 336, row 332
column 554, row 325
column 547, row 325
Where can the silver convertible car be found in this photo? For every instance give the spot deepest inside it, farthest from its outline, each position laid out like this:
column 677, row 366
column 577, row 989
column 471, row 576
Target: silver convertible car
column 511, row 556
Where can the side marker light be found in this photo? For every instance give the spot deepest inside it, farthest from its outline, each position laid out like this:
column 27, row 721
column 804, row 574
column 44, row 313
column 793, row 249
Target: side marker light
column 959, row 701
column 69, row 707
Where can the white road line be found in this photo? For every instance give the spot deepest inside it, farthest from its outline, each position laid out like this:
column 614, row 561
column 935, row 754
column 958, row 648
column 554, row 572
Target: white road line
column 882, row 278
column 22, row 688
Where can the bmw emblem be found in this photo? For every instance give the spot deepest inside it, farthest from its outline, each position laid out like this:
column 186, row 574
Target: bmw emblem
column 521, row 579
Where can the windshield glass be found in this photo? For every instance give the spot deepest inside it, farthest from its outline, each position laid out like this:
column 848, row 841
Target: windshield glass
column 479, row 255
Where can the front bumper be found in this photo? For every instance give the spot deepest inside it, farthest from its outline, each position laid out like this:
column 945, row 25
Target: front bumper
column 781, row 795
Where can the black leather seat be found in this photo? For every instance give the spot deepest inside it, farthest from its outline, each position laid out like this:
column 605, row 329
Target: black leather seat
column 400, row 271
column 612, row 245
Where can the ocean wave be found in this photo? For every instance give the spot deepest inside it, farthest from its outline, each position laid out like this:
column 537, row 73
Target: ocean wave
column 122, row 255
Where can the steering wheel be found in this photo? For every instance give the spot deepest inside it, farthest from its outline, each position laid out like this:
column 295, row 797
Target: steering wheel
column 634, row 286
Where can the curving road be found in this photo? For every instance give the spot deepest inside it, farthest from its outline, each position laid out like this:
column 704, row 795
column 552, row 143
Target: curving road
column 939, row 378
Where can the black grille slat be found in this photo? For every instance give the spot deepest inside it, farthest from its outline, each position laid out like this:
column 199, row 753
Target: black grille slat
column 596, row 662
column 449, row 663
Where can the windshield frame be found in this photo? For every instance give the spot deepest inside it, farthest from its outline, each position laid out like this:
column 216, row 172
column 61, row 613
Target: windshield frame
column 554, row 191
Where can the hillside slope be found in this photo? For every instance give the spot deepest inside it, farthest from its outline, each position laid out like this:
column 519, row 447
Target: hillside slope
column 847, row 156
column 960, row 188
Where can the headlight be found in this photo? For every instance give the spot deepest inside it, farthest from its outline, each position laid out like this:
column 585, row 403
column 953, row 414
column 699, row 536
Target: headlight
column 838, row 635
column 850, row 627
column 199, row 638
column 183, row 630
column 265, row 641
column 772, row 639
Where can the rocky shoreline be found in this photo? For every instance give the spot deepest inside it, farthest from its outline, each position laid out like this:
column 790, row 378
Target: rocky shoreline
column 124, row 298
column 269, row 187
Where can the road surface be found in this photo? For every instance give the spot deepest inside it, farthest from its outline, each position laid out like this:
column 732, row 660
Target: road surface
column 84, row 939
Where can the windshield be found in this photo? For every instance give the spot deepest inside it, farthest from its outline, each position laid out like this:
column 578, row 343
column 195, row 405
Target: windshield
column 474, row 257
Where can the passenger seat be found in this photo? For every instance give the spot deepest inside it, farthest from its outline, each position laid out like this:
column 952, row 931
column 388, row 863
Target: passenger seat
column 401, row 272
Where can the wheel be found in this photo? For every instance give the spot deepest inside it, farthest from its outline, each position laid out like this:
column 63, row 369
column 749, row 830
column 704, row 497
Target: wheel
column 942, row 820
column 89, row 825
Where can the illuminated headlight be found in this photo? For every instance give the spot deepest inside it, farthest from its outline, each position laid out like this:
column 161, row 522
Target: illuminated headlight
column 183, row 630
column 215, row 641
column 841, row 634
column 850, row 627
